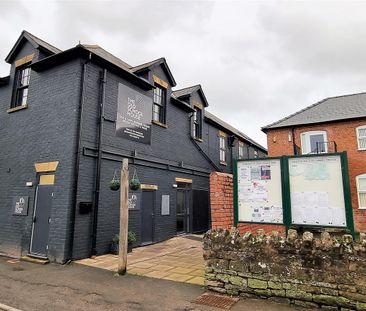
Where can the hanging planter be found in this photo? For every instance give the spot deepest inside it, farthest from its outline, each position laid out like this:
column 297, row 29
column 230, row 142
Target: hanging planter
column 135, row 182
column 115, row 184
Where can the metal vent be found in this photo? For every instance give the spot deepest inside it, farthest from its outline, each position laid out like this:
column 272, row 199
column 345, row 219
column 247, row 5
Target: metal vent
column 214, row 300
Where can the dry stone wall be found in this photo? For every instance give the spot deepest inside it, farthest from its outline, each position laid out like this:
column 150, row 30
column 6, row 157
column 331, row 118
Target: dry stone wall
column 325, row 272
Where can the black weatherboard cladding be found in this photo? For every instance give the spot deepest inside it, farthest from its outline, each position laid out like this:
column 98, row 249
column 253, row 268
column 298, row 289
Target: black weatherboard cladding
column 48, row 131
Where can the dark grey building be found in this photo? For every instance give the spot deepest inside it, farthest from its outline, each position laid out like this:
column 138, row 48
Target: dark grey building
column 67, row 120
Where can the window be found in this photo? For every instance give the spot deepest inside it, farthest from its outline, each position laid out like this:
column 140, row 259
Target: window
column 197, row 123
column 361, row 137
column 361, row 190
column 256, row 153
column 314, row 142
column 241, row 150
column 222, row 148
column 159, row 105
column 22, row 77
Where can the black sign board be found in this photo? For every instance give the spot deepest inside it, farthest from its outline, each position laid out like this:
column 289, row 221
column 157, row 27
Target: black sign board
column 20, row 205
column 134, row 114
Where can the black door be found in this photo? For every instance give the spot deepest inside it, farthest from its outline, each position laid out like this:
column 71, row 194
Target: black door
column 41, row 220
column 183, row 211
column 200, row 211
column 147, row 216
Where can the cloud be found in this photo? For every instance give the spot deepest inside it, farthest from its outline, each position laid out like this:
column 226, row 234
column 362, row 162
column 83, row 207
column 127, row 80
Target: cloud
column 257, row 61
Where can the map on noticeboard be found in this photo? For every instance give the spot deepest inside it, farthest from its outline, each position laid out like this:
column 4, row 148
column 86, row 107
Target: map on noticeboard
column 260, row 191
column 316, row 191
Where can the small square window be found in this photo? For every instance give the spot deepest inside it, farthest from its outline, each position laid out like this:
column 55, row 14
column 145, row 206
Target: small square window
column 314, row 142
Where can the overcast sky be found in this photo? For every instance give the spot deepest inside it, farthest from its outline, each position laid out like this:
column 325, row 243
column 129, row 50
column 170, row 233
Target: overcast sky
column 257, row 61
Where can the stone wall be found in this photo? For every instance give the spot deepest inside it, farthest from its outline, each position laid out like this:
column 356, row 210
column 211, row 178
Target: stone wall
column 326, row 272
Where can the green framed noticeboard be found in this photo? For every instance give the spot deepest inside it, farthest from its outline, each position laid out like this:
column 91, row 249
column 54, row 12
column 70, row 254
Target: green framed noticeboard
column 296, row 191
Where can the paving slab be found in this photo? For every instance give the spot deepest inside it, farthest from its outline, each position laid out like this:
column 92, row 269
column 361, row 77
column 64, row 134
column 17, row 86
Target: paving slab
column 178, row 259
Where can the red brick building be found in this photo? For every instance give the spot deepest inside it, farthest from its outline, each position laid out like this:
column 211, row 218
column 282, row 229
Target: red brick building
column 334, row 124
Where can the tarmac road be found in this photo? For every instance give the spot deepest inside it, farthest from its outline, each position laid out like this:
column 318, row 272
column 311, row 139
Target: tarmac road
column 31, row 287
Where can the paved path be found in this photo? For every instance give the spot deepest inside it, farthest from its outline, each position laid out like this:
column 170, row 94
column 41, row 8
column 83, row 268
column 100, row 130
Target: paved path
column 178, row 259
column 52, row 287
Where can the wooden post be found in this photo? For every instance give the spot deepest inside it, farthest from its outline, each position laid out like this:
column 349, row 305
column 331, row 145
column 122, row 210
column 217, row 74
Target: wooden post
column 123, row 220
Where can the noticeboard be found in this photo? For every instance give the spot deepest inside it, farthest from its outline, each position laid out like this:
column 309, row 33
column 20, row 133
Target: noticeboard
column 134, row 114
column 316, row 191
column 296, row 191
column 259, row 192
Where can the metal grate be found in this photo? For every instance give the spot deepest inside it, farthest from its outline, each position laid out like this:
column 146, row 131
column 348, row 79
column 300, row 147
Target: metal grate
column 214, row 300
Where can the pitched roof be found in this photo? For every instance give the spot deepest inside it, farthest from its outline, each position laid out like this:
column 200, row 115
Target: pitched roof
column 233, row 130
column 181, row 103
column 97, row 50
column 189, row 90
column 329, row 109
column 148, row 64
column 41, row 43
column 186, row 91
column 100, row 55
column 35, row 41
column 160, row 61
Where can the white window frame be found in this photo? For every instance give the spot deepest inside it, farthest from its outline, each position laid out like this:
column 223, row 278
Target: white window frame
column 241, row 150
column 222, row 142
column 362, row 176
column 362, row 127
column 305, row 141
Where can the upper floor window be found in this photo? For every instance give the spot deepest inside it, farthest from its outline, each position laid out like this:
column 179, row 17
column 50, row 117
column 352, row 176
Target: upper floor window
column 159, row 105
column 241, row 150
column 222, row 139
column 22, row 76
column 361, row 190
column 197, row 123
column 256, row 153
column 361, row 137
column 314, row 142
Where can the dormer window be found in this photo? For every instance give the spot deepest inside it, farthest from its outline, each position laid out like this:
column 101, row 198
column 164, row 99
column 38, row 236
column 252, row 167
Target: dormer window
column 159, row 106
column 197, row 123
column 22, row 76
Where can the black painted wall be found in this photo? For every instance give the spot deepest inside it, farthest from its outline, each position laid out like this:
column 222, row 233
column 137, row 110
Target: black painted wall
column 47, row 131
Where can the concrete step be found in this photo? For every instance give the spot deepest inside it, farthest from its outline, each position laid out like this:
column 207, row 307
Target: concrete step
column 40, row 261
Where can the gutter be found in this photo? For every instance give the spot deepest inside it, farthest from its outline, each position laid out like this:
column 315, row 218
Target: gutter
column 103, row 81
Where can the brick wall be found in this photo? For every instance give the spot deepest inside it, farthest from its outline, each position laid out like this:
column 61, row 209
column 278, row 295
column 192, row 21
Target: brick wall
column 222, row 206
column 344, row 134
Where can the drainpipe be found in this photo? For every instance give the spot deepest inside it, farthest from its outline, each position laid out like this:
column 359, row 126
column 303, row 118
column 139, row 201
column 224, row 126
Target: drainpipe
column 69, row 256
column 293, row 140
column 103, row 80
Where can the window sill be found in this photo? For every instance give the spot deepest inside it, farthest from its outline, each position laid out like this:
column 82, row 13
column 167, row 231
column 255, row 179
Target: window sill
column 198, row 139
column 10, row 110
column 223, row 163
column 362, row 208
column 159, row 123
column 361, row 150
